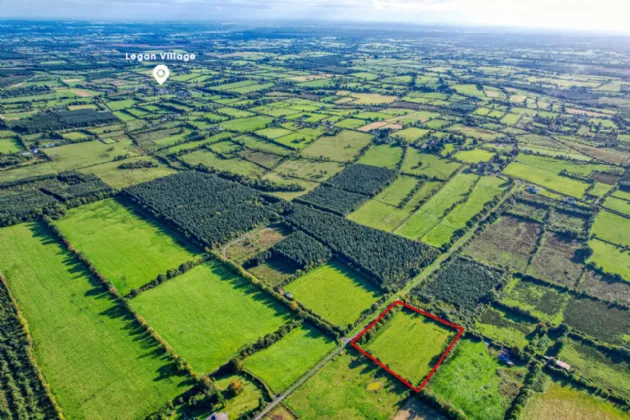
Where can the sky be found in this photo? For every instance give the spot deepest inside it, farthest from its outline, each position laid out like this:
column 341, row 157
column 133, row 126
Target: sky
column 588, row 15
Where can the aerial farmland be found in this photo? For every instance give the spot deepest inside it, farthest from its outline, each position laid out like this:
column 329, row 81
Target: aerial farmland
column 336, row 224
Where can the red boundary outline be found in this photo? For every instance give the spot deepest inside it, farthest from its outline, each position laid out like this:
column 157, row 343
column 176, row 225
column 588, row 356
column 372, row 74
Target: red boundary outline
column 460, row 331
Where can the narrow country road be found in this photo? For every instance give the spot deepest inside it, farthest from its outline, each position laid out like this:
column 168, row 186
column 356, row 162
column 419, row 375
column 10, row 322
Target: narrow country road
column 414, row 282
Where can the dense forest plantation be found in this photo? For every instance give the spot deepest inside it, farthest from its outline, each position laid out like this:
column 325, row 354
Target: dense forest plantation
column 315, row 222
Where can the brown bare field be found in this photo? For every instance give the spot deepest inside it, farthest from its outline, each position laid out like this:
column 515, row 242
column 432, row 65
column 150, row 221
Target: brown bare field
column 373, row 126
column 82, row 93
column 554, row 261
column 584, row 112
column 310, row 77
column 509, row 242
column 604, row 287
column 252, row 243
column 615, row 156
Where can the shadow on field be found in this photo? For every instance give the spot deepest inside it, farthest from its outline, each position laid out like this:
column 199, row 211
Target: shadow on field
column 249, row 290
column 371, row 369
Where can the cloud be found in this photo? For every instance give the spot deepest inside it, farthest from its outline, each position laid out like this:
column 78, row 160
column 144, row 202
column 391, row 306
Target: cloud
column 565, row 14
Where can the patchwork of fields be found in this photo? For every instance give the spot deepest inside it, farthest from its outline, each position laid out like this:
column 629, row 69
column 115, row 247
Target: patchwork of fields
column 214, row 244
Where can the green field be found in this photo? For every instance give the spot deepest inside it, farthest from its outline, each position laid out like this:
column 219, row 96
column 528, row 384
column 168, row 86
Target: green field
column 115, row 177
column 81, row 155
column 208, row 313
column 335, row 292
column 474, row 381
column 285, row 361
column 505, row 327
column 308, row 169
column 340, row 148
column 100, row 364
column 340, row 391
column 610, row 258
column 246, row 124
column 546, row 179
column 433, row 210
column 544, row 303
column 10, row 145
column 234, row 165
column 474, row 156
column 409, row 344
column 612, row 228
column 606, row 371
column 382, row 155
column 416, row 163
column 563, row 401
column 128, row 250
column 379, row 215
column 484, row 191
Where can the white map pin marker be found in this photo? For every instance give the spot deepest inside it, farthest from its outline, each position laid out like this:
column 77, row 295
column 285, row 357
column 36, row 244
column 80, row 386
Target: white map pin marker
column 161, row 73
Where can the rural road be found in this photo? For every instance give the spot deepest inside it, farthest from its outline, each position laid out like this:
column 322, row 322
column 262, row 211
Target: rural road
column 303, row 379
column 414, row 282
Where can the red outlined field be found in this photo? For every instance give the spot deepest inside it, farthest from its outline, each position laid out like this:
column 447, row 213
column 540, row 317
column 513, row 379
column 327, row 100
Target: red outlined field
column 406, row 342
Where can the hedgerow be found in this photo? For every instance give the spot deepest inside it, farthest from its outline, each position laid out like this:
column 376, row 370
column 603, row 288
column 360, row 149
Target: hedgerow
column 24, row 394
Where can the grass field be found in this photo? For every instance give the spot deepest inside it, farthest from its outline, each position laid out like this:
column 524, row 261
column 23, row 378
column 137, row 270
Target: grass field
column 409, row 344
column 246, row 124
column 474, row 156
column 411, row 134
column 340, row 391
column 382, row 155
column 335, row 292
column 379, row 215
column 98, row 361
column 81, row 155
column 285, row 361
column 308, row 169
column 432, row 211
column 247, row 400
column 546, row 179
column 544, row 303
column 395, row 192
column 10, row 145
column 340, row 148
column 611, row 259
column 416, row 163
column 612, row 228
column 115, row 177
column 607, row 372
column 208, row 313
column 474, row 381
column 234, row 165
column 127, row 250
column 484, row 191
column 505, row 327
column 562, row 401
column 613, row 203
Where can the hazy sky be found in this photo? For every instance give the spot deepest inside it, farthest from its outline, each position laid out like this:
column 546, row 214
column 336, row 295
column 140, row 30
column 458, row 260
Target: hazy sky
column 600, row 15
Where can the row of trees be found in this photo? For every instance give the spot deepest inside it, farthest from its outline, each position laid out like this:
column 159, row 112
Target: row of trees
column 390, row 259
column 22, row 395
